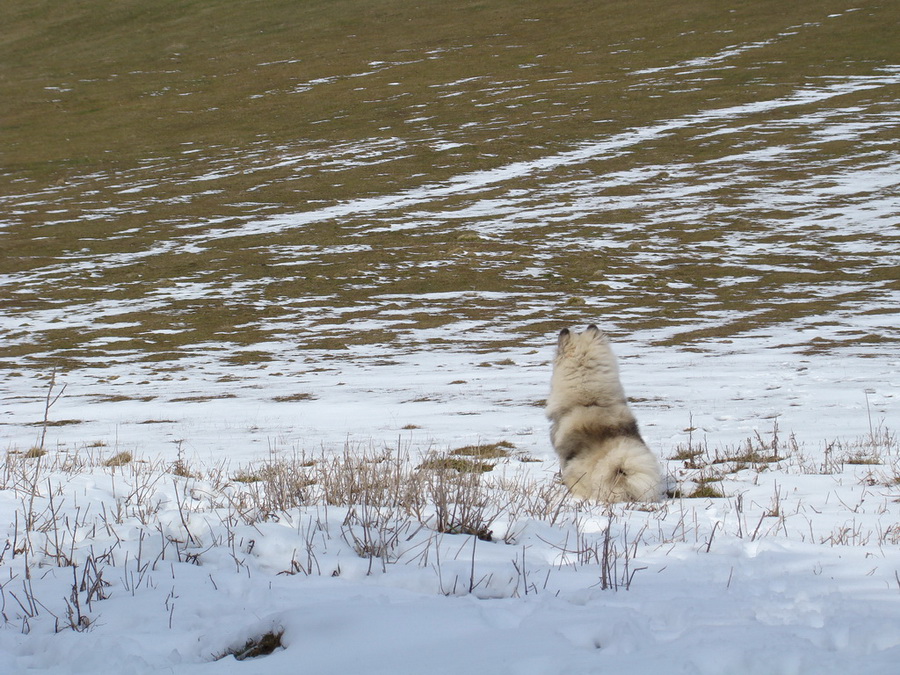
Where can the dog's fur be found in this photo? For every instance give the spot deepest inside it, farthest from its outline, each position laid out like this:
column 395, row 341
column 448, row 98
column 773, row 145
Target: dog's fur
column 601, row 453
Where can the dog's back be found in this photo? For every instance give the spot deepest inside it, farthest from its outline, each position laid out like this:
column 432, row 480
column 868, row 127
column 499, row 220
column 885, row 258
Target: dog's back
column 602, row 455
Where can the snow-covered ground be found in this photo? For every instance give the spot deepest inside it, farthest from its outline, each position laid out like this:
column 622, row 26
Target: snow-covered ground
column 794, row 570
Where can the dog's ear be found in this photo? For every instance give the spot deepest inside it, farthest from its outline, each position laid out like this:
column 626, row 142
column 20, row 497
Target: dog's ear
column 563, row 338
column 593, row 329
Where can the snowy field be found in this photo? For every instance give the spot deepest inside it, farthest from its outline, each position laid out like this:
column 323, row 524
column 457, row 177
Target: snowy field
column 272, row 401
column 792, row 570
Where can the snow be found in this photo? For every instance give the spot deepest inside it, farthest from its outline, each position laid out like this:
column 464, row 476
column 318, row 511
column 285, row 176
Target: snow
column 793, row 571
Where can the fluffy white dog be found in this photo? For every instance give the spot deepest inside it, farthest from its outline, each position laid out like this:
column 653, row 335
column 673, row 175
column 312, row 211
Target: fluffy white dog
column 601, row 453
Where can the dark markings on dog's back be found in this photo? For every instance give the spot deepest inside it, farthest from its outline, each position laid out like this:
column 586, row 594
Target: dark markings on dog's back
column 571, row 446
column 597, row 403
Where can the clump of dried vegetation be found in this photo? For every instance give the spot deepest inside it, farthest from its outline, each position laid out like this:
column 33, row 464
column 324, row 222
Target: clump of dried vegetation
column 699, row 470
column 254, row 647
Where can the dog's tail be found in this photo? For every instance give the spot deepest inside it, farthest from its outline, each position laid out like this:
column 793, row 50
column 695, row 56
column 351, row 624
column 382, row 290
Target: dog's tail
column 630, row 473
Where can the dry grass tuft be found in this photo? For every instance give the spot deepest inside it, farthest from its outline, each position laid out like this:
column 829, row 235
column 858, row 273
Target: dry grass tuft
column 291, row 398
column 118, row 459
column 262, row 645
column 458, row 464
column 485, row 451
column 706, row 491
